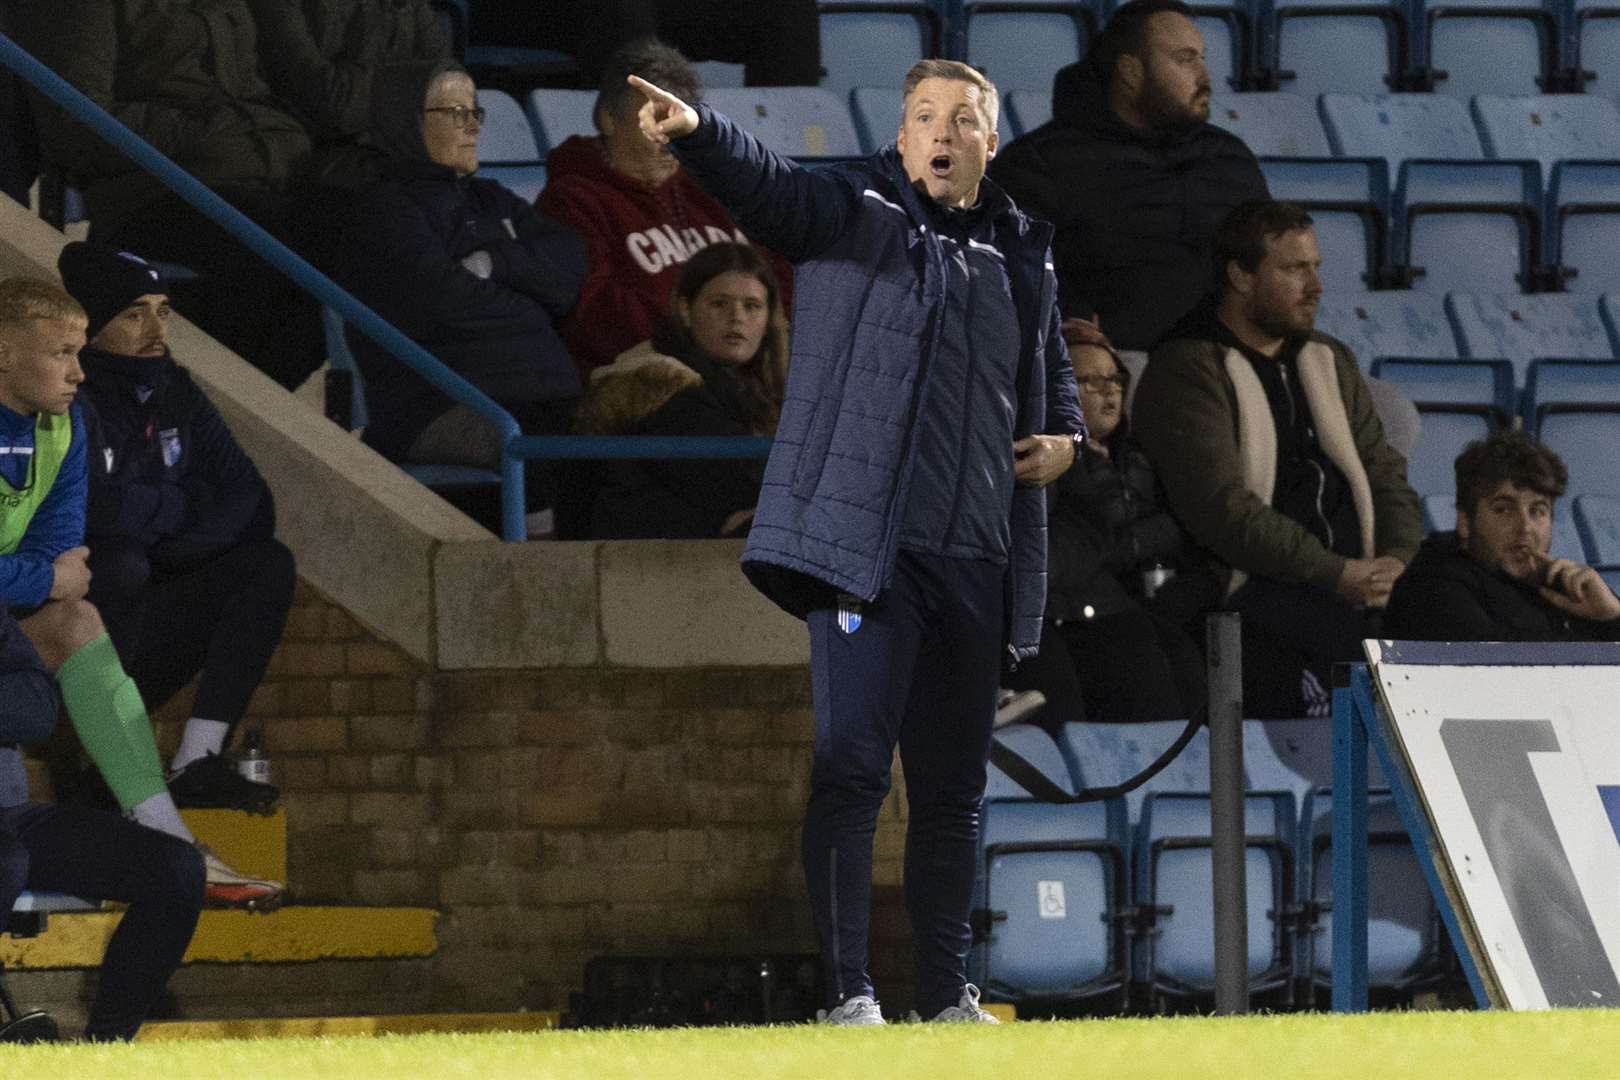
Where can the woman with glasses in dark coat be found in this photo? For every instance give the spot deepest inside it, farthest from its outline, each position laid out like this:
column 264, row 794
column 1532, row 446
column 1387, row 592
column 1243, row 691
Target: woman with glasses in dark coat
column 1123, row 599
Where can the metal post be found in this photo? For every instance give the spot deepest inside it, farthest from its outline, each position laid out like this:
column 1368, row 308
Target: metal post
column 1349, row 848
column 1226, row 813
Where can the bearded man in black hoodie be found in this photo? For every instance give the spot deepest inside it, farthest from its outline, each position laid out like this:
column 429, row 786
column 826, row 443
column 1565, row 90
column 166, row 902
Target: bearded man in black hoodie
column 1132, row 174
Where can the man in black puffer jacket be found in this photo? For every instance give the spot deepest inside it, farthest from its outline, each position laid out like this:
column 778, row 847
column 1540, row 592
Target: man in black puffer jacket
column 186, row 571
column 463, row 266
column 1132, row 174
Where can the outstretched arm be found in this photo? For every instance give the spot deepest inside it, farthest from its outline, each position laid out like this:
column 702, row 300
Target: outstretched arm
column 795, row 211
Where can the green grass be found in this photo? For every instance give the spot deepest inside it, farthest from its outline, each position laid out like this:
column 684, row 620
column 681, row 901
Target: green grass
column 1428, row 1045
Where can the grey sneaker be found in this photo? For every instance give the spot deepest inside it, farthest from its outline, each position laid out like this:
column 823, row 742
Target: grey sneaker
column 858, row 1011
column 966, row 1011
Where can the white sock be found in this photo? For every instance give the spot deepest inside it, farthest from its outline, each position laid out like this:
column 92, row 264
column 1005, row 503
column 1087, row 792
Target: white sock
column 201, row 738
column 159, row 812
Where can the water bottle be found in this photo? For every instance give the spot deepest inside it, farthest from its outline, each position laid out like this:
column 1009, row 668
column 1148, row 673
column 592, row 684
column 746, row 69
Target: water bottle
column 253, row 765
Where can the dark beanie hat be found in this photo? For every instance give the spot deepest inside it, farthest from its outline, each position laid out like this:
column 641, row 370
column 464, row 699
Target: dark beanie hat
column 105, row 281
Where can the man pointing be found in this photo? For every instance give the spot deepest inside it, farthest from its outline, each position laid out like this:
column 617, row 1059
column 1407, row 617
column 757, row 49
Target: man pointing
column 929, row 398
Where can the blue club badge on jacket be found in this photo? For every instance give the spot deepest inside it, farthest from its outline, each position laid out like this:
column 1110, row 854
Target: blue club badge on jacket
column 169, row 439
column 849, row 612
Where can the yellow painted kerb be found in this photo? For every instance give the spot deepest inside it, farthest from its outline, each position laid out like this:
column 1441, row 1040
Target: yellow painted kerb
column 317, row 1026
column 289, row 935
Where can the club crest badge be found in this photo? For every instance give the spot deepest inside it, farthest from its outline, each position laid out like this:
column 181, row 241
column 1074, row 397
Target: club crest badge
column 849, row 613
column 169, row 438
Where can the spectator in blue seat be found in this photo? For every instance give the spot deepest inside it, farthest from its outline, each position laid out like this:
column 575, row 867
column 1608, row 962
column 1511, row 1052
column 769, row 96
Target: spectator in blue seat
column 1493, row 579
column 323, row 57
column 716, row 366
column 1125, row 588
column 1133, row 174
column 463, row 266
column 1276, row 463
column 185, row 569
column 90, row 853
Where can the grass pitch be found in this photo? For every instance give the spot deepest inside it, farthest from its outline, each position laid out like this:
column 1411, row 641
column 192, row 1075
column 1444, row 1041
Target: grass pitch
column 1428, row 1046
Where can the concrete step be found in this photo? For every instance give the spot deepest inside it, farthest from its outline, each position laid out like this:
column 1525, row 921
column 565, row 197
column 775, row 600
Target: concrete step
column 292, row 934
column 319, row 1026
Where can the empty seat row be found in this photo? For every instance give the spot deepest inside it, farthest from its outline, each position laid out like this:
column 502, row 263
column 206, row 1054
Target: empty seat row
column 1474, row 363
column 1458, row 48
column 1410, row 189
column 1097, row 904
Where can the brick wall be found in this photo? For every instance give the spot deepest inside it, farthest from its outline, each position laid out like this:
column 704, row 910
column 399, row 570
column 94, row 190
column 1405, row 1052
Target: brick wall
column 551, row 816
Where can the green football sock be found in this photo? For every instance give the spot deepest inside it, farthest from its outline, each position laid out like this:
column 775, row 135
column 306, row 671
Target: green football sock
column 111, row 720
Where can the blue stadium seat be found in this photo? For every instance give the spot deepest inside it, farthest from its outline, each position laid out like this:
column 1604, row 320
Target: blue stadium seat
column 797, row 121
column 1021, row 46
column 1449, row 203
column 1400, row 126
column 1050, row 889
column 1548, row 127
column 1598, row 519
column 1349, row 204
column 1326, row 46
column 1439, row 513
column 1404, row 935
column 1173, row 879
column 1446, row 430
column 1450, row 382
column 1595, row 37
column 1027, row 109
column 506, row 146
column 1105, row 754
column 1388, row 324
column 1519, row 329
column 506, row 136
column 872, row 44
column 719, row 73
column 1584, row 207
column 558, row 114
column 1571, row 382
column 1488, row 46
column 1470, row 226
column 1586, row 437
column 876, row 112
column 1280, row 124
column 1228, row 33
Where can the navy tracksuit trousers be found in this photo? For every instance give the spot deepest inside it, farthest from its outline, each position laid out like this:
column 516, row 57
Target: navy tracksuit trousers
column 920, row 668
column 91, row 853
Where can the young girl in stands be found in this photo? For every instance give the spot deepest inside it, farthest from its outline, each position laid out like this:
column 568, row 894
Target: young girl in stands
column 716, row 365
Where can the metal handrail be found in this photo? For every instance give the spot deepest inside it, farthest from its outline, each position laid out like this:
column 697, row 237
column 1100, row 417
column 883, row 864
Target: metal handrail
column 515, row 447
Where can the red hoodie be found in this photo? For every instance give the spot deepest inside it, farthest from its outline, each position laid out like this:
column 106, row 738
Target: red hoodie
column 637, row 237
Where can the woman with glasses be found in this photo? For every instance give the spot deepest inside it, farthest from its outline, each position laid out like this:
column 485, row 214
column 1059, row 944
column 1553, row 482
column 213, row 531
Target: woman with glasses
column 1121, row 593
column 467, row 269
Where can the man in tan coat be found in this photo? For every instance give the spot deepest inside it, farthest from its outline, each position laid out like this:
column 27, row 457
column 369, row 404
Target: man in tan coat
column 1274, row 460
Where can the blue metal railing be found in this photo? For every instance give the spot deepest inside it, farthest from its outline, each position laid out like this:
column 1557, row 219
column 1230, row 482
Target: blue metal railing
column 515, row 446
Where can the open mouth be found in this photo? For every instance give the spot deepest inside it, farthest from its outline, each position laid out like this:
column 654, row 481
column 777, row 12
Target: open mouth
column 940, row 165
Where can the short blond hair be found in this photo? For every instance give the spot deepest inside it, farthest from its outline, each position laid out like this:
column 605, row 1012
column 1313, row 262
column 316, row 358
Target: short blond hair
column 24, row 299
column 955, row 70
